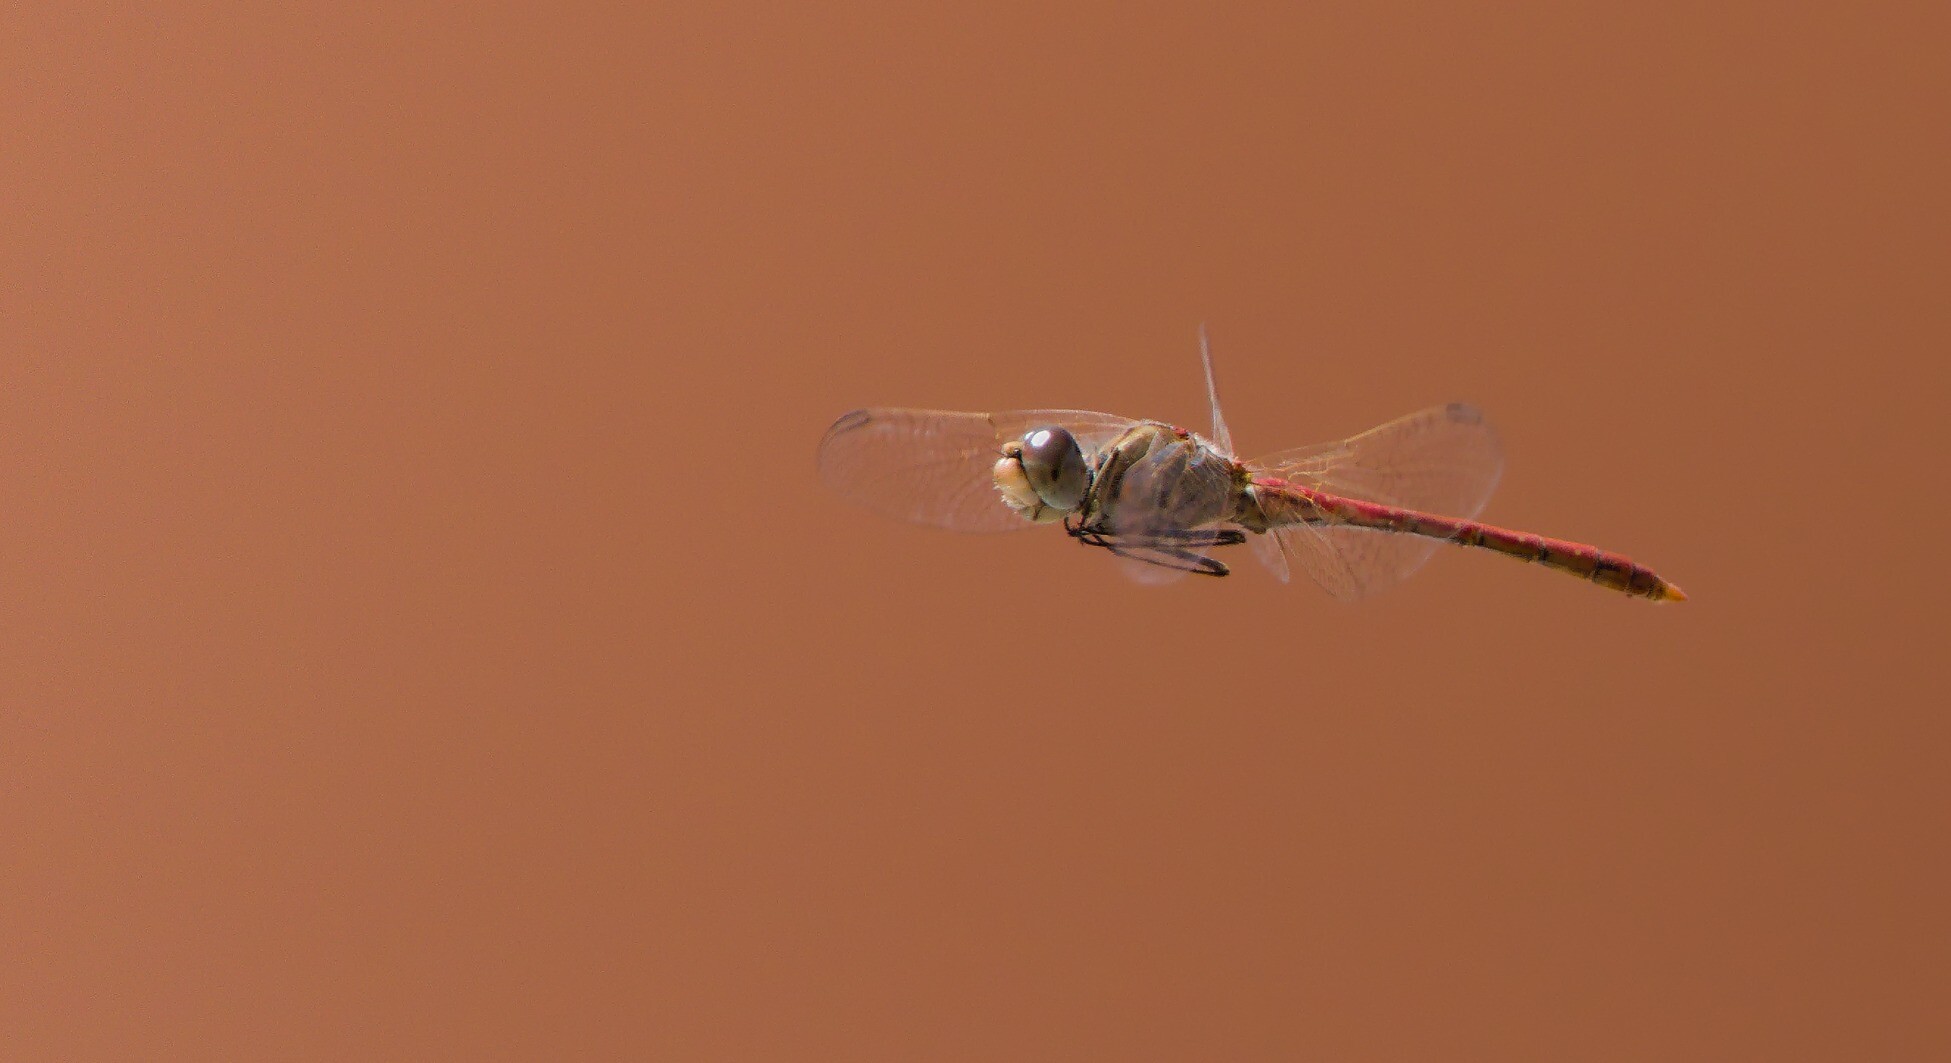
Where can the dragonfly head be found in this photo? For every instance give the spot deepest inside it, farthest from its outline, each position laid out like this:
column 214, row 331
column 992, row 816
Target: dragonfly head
column 1043, row 476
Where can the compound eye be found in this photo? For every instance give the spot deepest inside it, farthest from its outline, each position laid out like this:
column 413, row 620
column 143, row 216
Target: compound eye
column 1055, row 465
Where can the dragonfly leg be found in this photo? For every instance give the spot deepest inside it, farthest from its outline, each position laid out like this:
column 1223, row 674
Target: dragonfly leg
column 1198, row 564
column 1178, row 546
column 1199, row 538
column 1087, row 534
column 1186, row 560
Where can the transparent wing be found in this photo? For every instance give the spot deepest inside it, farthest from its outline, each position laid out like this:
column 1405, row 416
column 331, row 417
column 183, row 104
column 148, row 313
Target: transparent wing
column 1443, row 460
column 1348, row 563
column 1168, row 504
column 933, row 466
column 1222, row 438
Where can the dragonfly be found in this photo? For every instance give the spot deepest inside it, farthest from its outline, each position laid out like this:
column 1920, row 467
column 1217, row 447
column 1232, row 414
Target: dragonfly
column 1356, row 516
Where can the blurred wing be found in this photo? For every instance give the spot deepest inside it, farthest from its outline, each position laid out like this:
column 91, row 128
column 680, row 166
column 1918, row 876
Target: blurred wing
column 1222, row 438
column 933, row 466
column 1443, row 460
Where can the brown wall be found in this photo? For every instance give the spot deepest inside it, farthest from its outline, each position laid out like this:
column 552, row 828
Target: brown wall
column 422, row 634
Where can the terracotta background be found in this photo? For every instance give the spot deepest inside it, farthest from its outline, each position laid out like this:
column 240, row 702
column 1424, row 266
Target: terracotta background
column 422, row 634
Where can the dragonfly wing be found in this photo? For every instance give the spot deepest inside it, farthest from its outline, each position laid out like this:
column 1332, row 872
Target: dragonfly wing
column 1222, row 438
column 933, row 466
column 1348, row 563
column 1444, row 460
column 1272, row 556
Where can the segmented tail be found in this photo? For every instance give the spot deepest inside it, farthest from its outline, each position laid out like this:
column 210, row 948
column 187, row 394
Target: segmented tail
column 1282, row 503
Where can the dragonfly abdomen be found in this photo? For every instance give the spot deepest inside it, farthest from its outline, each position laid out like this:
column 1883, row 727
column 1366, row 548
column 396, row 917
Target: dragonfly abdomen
column 1577, row 559
column 1287, row 503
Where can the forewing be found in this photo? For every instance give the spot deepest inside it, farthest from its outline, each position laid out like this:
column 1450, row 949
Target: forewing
column 1444, row 460
column 933, row 466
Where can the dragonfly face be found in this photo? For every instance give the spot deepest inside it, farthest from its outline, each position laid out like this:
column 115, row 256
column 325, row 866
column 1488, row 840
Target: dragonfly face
column 1043, row 476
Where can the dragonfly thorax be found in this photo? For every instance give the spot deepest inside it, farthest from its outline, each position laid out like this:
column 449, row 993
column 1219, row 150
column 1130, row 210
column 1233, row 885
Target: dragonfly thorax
column 1155, row 476
column 1043, row 476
